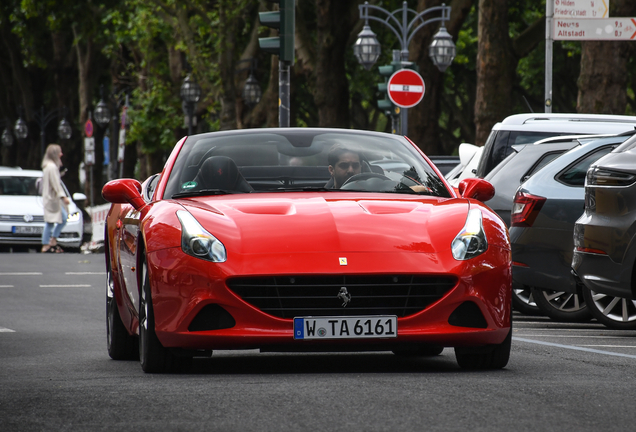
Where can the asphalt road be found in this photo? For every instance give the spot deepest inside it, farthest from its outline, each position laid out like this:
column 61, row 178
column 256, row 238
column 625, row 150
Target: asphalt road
column 55, row 374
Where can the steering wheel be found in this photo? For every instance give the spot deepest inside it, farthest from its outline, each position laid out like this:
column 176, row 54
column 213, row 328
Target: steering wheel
column 373, row 181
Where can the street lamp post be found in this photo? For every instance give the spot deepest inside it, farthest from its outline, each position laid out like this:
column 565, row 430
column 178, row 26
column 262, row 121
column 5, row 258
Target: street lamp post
column 367, row 48
column 42, row 119
column 190, row 94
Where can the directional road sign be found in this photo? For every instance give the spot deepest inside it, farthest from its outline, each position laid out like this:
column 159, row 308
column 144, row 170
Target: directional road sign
column 581, row 8
column 608, row 29
column 405, row 88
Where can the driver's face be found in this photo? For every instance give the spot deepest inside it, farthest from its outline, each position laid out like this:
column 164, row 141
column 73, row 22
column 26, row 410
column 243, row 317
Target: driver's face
column 348, row 165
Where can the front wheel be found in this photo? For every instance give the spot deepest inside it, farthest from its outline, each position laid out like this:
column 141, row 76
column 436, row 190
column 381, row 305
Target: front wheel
column 489, row 357
column 121, row 345
column 523, row 300
column 154, row 358
column 614, row 312
column 561, row 306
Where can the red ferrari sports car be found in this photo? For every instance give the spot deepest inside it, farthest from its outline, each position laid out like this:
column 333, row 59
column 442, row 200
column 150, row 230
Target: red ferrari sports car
column 301, row 239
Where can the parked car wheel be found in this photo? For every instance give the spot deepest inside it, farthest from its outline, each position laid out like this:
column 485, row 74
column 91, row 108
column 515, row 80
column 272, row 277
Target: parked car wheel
column 523, row 300
column 121, row 345
column 561, row 306
column 614, row 312
column 154, row 358
column 485, row 357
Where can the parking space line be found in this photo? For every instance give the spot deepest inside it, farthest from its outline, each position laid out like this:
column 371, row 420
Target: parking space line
column 6, row 286
column 611, row 346
column 86, row 273
column 578, row 336
column 65, row 286
column 571, row 347
column 21, row 274
column 6, row 330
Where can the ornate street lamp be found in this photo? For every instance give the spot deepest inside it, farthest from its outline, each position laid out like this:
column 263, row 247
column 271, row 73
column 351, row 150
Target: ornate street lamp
column 102, row 112
column 252, row 91
column 64, row 130
column 442, row 50
column 367, row 48
column 21, row 130
column 190, row 94
column 7, row 138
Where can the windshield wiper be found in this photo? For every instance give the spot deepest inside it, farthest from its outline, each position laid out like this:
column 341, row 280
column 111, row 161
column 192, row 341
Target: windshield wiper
column 203, row 192
column 301, row 189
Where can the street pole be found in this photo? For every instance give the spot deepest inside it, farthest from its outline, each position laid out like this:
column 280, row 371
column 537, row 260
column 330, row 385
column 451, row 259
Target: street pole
column 549, row 17
column 283, row 94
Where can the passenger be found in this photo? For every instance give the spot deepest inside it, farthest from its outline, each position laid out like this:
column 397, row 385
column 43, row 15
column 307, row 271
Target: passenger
column 343, row 164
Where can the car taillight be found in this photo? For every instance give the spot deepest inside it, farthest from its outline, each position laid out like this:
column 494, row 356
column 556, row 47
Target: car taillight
column 525, row 209
column 602, row 177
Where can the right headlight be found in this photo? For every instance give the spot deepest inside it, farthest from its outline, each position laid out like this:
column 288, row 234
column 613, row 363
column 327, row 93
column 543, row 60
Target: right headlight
column 471, row 240
column 196, row 241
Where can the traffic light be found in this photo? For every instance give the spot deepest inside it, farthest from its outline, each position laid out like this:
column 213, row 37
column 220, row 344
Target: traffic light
column 386, row 71
column 283, row 20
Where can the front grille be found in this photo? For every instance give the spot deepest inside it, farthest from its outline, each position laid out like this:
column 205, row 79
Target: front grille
column 291, row 296
column 20, row 218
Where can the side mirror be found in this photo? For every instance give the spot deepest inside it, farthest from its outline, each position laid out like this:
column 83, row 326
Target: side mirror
column 476, row 188
column 123, row 191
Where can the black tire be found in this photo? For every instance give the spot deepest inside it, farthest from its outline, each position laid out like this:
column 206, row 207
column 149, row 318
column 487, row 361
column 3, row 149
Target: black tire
column 523, row 301
column 154, row 358
column 561, row 306
column 614, row 312
column 420, row 351
column 121, row 345
column 489, row 357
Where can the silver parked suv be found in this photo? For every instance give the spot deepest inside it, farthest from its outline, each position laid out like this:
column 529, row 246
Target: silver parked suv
column 605, row 239
column 529, row 128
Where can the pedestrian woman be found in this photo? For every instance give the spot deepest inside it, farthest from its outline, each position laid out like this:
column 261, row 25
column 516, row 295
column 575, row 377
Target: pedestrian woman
column 54, row 199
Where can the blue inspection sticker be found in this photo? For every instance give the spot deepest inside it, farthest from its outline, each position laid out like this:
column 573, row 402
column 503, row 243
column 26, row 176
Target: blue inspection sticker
column 189, row 185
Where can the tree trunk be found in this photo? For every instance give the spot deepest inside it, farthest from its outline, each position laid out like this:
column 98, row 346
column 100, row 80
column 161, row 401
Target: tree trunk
column 495, row 68
column 331, row 94
column 226, row 66
column 603, row 78
column 424, row 127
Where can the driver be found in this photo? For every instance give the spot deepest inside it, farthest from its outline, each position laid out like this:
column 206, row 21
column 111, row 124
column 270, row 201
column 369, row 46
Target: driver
column 343, row 164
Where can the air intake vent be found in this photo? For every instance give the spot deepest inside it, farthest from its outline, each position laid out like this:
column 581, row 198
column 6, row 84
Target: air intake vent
column 339, row 295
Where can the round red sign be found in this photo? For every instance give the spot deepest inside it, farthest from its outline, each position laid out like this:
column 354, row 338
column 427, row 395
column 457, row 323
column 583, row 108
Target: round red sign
column 405, row 88
column 88, row 128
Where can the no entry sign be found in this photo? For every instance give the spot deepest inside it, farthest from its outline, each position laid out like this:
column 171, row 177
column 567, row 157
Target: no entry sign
column 405, row 88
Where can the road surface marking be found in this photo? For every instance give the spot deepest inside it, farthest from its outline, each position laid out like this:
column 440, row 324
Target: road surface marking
column 6, row 330
column 64, row 286
column 86, row 273
column 21, row 274
column 577, row 336
column 573, row 347
column 6, row 286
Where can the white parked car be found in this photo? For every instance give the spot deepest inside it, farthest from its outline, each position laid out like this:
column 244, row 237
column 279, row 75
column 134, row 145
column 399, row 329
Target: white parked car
column 469, row 157
column 22, row 211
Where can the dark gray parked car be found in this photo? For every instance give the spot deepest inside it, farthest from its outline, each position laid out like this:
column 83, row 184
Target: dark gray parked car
column 605, row 239
column 522, row 163
column 545, row 209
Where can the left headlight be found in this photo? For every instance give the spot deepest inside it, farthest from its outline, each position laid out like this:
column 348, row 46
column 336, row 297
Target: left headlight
column 73, row 217
column 196, row 241
column 471, row 240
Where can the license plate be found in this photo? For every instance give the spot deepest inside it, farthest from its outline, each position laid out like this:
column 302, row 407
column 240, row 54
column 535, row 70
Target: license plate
column 27, row 229
column 372, row 326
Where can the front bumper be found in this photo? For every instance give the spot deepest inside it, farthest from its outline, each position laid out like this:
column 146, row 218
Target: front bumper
column 182, row 286
column 601, row 274
column 71, row 235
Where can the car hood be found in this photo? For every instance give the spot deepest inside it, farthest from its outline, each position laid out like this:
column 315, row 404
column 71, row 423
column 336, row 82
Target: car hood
column 25, row 204
column 345, row 224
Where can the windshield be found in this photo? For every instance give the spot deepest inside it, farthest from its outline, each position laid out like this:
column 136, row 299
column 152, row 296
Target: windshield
column 300, row 160
column 13, row 185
